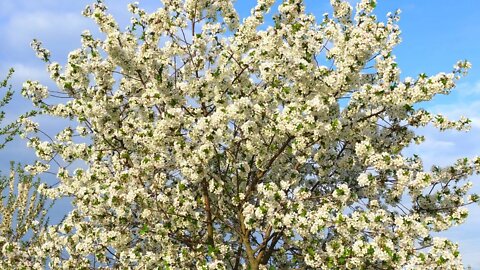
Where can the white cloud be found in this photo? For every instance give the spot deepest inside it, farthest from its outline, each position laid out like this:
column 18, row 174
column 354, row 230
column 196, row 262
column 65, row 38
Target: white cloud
column 58, row 24
column 468, row 88
column 29, row 72
column 444, row 148
column 54, row 28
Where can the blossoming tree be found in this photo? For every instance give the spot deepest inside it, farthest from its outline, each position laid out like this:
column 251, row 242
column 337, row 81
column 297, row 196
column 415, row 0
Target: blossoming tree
column 209, row 143
column 22, row 208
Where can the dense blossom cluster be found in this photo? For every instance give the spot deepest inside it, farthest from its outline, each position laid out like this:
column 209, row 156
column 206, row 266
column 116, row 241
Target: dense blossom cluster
column 211, row 144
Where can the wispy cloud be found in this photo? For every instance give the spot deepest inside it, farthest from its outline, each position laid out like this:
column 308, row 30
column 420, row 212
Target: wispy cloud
column 445, row 147
column 468, row 89
column 61, row 32
column 29, row 72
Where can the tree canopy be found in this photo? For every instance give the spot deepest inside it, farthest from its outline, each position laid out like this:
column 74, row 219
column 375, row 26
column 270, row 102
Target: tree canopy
column 213, row 143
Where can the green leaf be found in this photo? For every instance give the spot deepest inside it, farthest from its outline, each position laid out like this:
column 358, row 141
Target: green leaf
column 311, row 251
column 296, row 27
column 143, row 230
column 68, row 86
column 181, row 187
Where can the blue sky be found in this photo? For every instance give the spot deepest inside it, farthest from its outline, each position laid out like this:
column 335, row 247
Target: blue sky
column 435, row 33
